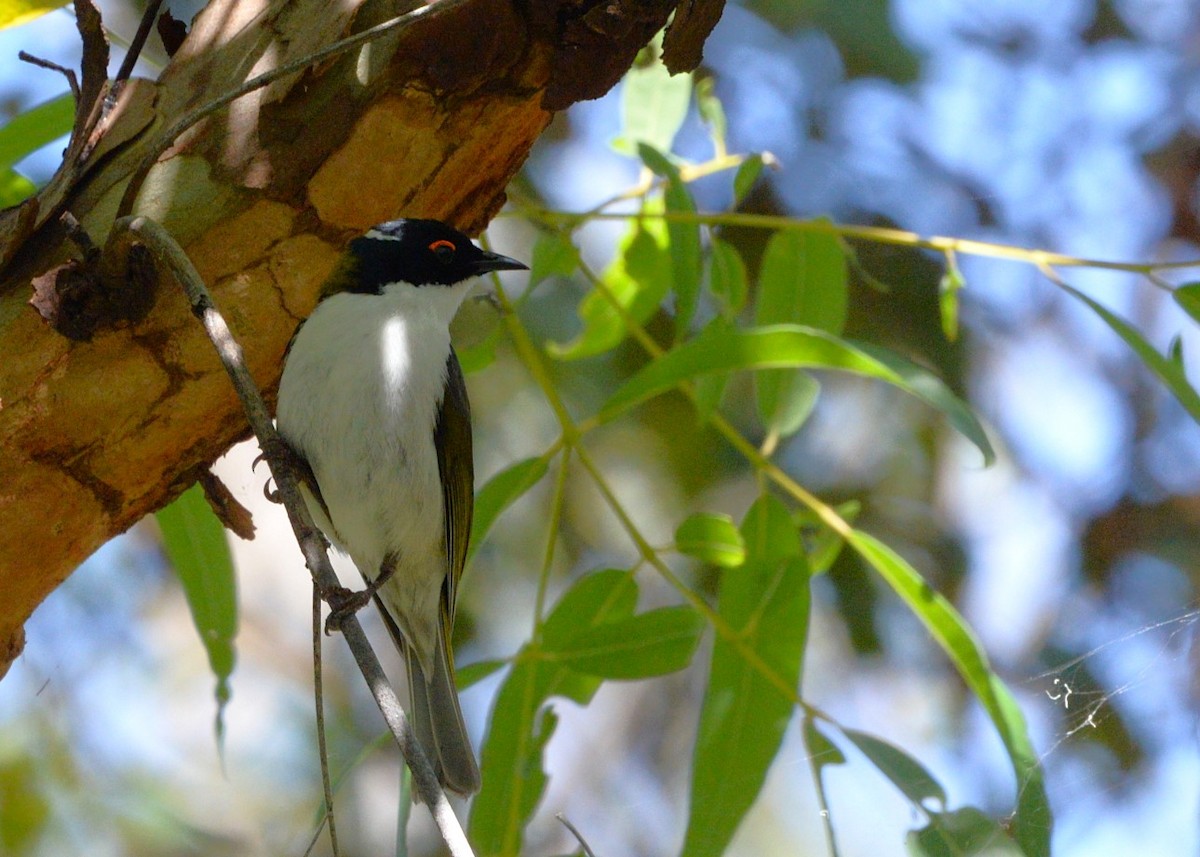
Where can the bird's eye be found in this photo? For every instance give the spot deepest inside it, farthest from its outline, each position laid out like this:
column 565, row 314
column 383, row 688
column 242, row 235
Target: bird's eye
column 444, row 250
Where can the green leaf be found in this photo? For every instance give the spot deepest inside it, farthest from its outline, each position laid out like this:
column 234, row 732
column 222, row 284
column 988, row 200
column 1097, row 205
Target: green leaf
column 554, row 255
column 711, row 538
column 930, row 389
column 684, row 247
column 31, row 129
column 1175, row 350
column 649, row 644
column 802, row 281
column 951, row 284
column 654, row 104
column 744, row 714
column 1032, row 820
column 194, row 541
column 745, row 177
column 769, row 533
column 13, row 13
column 514, row 778
column 1168, row 371
column 657, row 161
column 1188, row 298
column 501, row 491
column 909, row 775
column 638, row 280
column 726, row 350
column 783, row 345
column 786, row 399
column 14, row 188
column 712, row 113
column 602, row 596
column 963, row 833
column 519, row 725
column 482, row 354
column 709, row 389
column 474, row 673
column 821, row 750
column 476, row 331
column 683, row 239
column 727, row 277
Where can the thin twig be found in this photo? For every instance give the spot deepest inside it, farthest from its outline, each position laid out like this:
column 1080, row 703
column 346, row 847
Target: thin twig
column 319, row 699
column 139, row 41
column 167, row 138
column 566, row 822
column 69, row 74
column 312, row 544
column 875, row 234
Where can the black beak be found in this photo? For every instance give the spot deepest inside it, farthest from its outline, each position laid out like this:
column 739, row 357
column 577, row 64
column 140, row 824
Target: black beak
column 496, row 262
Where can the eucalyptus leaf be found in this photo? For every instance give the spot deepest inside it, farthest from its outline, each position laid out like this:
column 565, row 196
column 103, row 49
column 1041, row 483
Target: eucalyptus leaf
column 31, row 129
column 194, row 541
column 1167, row 370
column 515, row 779
column 500, row 492
column 908, row 775
column 470, row 674
column 654, row 104
column 744, row 714
column 649, row 644
column 727, row 277
column 790, row 346
column 802, row 281
column 712, row 112
column 521, row 723
column 554, row 255
column 1032, row 821
column 638, row 280
column 14, row 188
column 711, row 538
column 949, row 286
column 745, row 177
column 965, row 832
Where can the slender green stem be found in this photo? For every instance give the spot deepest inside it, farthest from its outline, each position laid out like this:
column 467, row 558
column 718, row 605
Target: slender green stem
column 876, row 234
column 556, row 509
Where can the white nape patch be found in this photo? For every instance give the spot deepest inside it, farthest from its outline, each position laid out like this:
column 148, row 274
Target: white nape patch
column 381, row 236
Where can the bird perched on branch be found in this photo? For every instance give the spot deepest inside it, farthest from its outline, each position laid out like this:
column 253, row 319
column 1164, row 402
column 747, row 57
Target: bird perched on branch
column 372, row 403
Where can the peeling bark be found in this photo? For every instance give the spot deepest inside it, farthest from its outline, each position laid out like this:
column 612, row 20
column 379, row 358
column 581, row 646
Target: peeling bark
column 432, row 121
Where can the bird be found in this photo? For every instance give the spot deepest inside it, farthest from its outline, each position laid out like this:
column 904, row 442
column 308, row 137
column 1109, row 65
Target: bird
column 373, row 408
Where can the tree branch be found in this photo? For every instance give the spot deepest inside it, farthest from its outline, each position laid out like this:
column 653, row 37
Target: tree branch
column 266, row 79
column 312, row 544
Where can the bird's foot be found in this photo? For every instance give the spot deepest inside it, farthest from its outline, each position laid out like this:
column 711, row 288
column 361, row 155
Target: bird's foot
column 280, row 450
column 344, row 603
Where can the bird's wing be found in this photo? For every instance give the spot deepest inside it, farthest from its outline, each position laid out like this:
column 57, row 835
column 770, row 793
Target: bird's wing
column 452, row 437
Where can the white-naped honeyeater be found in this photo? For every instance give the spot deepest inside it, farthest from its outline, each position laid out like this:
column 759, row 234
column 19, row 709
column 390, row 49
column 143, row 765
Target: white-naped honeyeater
column 373, row 405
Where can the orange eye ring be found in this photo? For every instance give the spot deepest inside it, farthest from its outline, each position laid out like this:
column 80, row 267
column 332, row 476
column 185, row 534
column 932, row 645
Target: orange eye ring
column 441, row 244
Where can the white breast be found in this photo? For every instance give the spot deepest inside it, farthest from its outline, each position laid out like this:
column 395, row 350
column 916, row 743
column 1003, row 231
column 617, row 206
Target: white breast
column 358, row 399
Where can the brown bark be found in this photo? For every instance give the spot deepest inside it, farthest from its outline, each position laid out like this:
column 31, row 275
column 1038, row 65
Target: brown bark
column 431, row 121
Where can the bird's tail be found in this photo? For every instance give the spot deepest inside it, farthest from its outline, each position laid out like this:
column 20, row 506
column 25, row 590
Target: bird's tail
column 438, row 721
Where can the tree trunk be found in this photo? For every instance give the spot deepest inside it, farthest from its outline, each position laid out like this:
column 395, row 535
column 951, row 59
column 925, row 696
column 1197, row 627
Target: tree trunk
column 432, row 120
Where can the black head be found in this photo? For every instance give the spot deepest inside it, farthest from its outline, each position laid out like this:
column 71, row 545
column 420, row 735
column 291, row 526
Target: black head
column 419, row 252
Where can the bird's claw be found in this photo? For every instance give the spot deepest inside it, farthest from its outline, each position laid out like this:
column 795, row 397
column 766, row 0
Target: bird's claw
column 344, row 603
